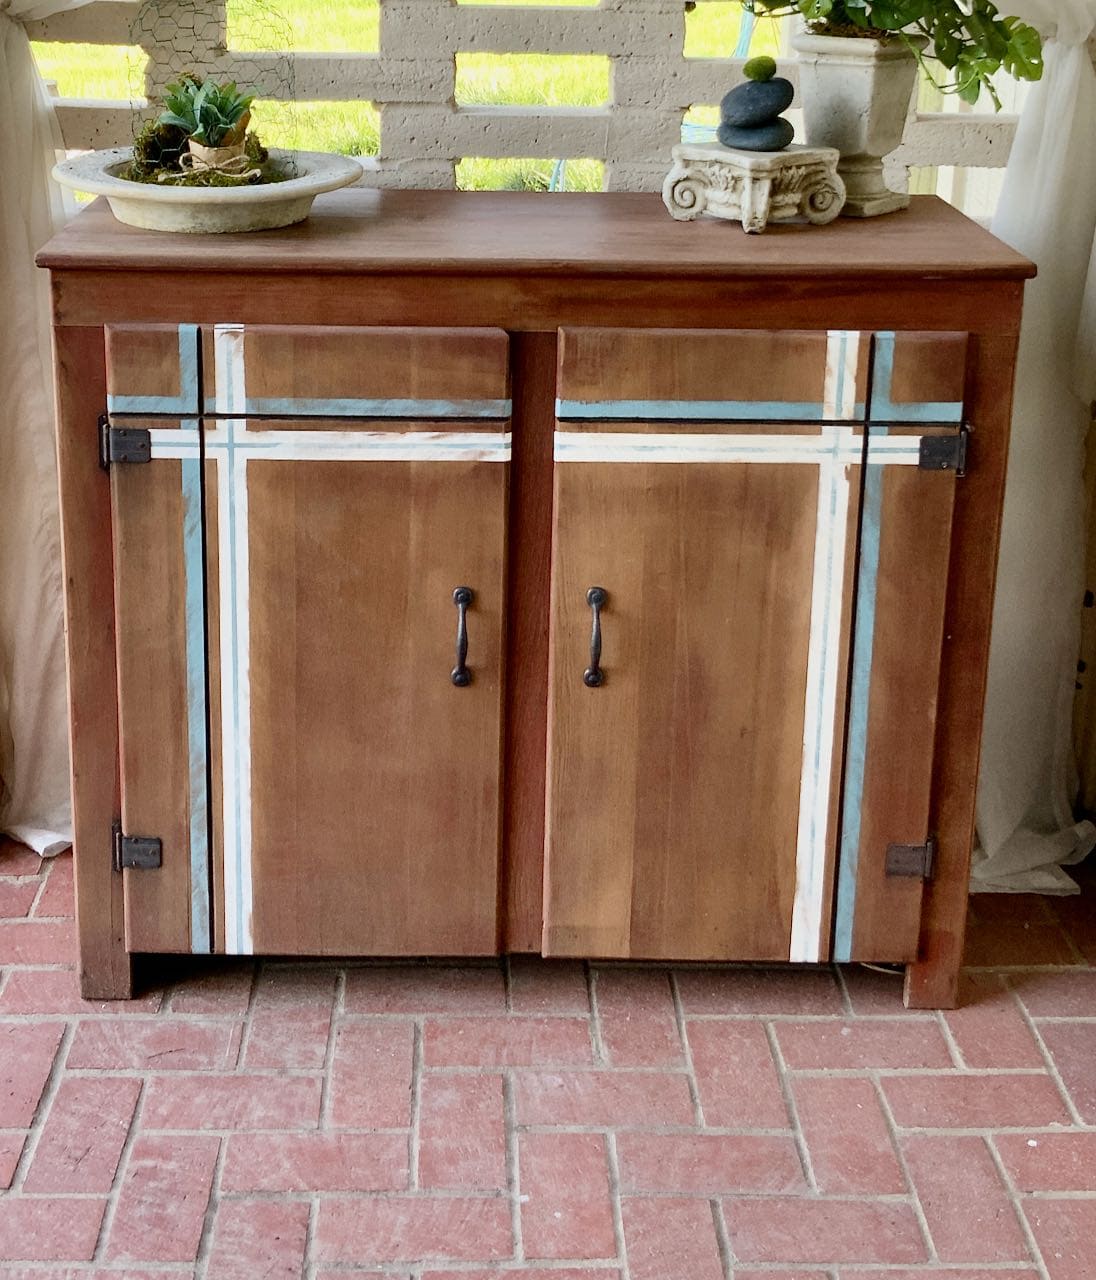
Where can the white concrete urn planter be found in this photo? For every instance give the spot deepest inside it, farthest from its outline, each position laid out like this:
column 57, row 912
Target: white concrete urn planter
column 856, row 96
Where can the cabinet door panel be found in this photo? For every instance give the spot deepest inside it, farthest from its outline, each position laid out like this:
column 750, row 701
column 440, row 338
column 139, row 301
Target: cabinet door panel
column 708, row 375
column 157, row 513
column 902, row 584
column 291, row 371
column 692, row 797
column 359, row 786
column 153, row 369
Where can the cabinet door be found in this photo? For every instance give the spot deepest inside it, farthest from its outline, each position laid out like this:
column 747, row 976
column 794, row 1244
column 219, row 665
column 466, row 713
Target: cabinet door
column 905, row 546
column 693, row 793
column 356, row 784
column 156, row 511
column 288, row 634
column 160, row 634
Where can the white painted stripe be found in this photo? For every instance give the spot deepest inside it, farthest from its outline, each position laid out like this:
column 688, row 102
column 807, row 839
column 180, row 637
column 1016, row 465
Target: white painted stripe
column 229, row 819
column 181, row 443
column 839, row 388
column 823, row 672
column 242, row 655
column 887, row 450
column 235, row 657
column 228, row 368
column 626, row 446
column 313, row 446
column 380, row 446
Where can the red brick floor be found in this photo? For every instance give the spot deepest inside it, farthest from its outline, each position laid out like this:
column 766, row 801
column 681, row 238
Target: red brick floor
column 549, row 1122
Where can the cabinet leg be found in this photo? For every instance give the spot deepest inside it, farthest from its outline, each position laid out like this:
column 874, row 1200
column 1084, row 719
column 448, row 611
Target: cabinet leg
column 105, row 967
column 932, row 982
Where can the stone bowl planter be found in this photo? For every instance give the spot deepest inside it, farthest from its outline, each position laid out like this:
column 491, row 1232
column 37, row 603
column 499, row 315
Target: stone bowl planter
column 856, row 96
column 209, row 209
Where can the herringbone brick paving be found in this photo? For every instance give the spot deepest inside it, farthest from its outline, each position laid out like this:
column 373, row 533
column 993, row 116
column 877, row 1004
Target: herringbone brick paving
column 548, row 1121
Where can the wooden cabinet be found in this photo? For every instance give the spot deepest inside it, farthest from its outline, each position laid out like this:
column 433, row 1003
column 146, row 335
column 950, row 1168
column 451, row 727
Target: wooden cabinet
column 462, row 602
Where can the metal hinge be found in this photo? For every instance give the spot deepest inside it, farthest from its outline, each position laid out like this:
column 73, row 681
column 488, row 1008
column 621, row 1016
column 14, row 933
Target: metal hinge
column 914, row 860
column 123, row 444
column 945, row 453
column 141, row 853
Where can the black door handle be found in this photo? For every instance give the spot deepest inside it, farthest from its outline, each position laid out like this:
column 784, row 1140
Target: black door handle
column 462, row 598
column 593, row 677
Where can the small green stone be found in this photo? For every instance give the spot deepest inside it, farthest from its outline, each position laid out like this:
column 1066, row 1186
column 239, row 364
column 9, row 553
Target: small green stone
column 762, row 68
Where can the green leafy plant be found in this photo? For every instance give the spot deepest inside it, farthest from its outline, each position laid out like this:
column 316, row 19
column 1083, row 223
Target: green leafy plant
column 969, row 38
column 214, row 115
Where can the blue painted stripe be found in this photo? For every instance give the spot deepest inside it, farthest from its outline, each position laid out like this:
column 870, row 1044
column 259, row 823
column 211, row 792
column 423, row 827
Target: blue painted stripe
column 189, row 390
column 174, row 405
column 843, row 347
column 297, row 407
column 196, row 704
column 882, row 373
column 698, row 410
column 883, row 408
column 859, row 705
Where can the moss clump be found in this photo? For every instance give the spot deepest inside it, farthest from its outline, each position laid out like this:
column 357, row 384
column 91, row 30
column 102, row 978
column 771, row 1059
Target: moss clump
column 158, row 147
column 761, row 68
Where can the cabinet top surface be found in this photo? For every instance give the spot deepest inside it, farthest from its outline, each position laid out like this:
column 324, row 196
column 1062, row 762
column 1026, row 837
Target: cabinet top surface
column 525, row 233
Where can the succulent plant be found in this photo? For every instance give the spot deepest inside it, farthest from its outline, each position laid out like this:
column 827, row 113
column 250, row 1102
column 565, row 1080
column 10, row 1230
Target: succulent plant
column 214, row 115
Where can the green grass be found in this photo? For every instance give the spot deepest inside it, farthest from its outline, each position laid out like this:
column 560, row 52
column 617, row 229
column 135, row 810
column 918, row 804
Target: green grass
column 324, row 26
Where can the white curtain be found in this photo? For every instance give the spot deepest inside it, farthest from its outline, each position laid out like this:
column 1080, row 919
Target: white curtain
column 1047, row 210
column 34, row 787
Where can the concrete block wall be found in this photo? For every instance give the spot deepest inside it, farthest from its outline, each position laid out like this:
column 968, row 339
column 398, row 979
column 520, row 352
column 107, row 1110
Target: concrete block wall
column 411, row 80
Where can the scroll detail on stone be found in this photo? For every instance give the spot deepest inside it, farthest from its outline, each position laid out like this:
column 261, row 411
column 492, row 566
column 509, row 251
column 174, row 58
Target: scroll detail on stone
column 754, row 187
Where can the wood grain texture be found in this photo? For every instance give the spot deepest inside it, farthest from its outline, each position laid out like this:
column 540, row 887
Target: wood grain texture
column 527, row 604
column 933, row 980
column 150, row 598
column 674, row 788
column 520, row 302
column 777, row 366
column 914, row 533
column 571, row 234
column 294, row 362
column 375, row 781
column 106, row 971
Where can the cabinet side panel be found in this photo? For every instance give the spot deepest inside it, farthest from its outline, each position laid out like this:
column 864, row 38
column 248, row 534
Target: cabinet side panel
column 675, row 787
column 86, row 549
